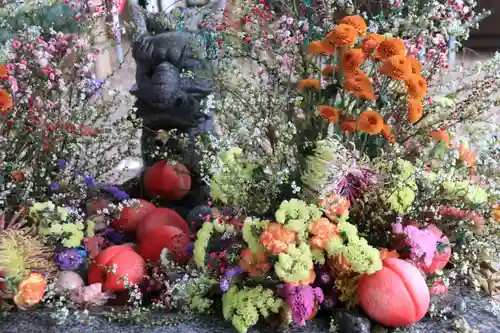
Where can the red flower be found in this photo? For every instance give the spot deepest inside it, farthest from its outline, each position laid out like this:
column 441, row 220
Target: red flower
column 438, row 288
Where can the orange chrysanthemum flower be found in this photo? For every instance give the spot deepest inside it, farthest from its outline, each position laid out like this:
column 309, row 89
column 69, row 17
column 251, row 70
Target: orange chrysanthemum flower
column 416, row 66
column 390, row 47
column 387, row 133
column 342, row 35
column 355, row 21
column 276, row 238
column 256, row 264
column 370, row 122
column 5, row 100
column 359, row 85
column 441, row 136
column 415, row 110
column 329, row 113
column 386, row 254
column 351, row 61
column 397, row 68
column 3, row 72
column 468, row 157
column 328, row 70
column 320, row 47
column 348, row 125
column 496, row 213
column 371, row 42
column 309, row 85
column 417, row 87
column 322, row 230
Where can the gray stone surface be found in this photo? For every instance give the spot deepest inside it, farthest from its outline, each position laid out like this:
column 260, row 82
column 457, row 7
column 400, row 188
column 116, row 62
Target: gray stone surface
column 479, row 314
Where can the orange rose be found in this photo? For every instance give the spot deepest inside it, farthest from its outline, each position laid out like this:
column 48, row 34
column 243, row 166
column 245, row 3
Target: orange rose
column 417, row 87
column 5, row 101
column 360, row 86
column 322, row 230
column 309, row 85
column 467, row 156
column 30, row 291
column 396, row 67
column 415, row 110
column 386, row 254
column 390, row 47
column 329, row 113
column 276, row 238
column 256, row 264
column 370, row 122
column 342, row 35
column 441, row 136
column 416, row 66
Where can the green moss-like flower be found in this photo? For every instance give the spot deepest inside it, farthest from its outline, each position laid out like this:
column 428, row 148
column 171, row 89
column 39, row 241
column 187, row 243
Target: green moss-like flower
column 249, row 230
column 464, row 190
column 242, row 306
column 318, row 256
column 295, row 265
column 406, row 170
column 315, row 174
column 200, row 245
column 477, row 195
column 21, row 253
column 362, row 257
column 401, row 199
column 296, row 215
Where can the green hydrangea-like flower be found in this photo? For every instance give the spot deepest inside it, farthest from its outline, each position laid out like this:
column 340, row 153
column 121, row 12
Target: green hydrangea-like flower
column 296, row 215
column 406, row 170
column 249, row 230
column 243, row 306
column 464, row 190
column 200, row 245
column 295, row 265
column 362, row 257
column 401, row 199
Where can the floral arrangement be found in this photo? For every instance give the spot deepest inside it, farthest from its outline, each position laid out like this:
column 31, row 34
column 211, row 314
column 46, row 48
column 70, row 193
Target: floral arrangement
column 343, row 176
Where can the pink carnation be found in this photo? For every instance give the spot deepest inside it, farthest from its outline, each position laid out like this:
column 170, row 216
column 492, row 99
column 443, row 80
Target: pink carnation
column 90, row 295
column 422, row 243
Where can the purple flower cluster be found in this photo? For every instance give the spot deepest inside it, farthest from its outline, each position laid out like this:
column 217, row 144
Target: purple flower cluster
column 354, row 183
column 302, row 300
column 230, row 273
column 69, row 259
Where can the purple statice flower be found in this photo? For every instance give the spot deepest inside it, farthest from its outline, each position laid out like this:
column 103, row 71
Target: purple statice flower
column 230, row 273
column 94, row 87
column 61, row 164
column 89, row 181
column 115, row 192
column 422, row 244
column 54, row 187
column 354, row 183
column 69, row 259
column 301, row 301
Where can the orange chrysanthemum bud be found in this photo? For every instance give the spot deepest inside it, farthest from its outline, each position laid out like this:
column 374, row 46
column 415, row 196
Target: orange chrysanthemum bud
column 5, row 101
column 370, row 122
column 415, row 110
column 371, row 42
column 309, row 85
column 3, row 72
column 390, row 47
column 396, row 67
column 329, row 113
column 416, row 66
column 351, row 61
column 417, row 87
column 355, row 21
column 328, row 70
column 360, row 86
column 468, row 157
column 342, row 35
column 348, row 125
column 320, row 47
column 387, row 133
column 441, row 136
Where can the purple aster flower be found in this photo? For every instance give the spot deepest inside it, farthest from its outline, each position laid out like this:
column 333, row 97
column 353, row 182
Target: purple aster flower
column 69, row 259
column 54, row 186
column 354, row 183
column 301, row 301
column 61, row 164
column 233, row 271
column 115, row 192
column 224, row 285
